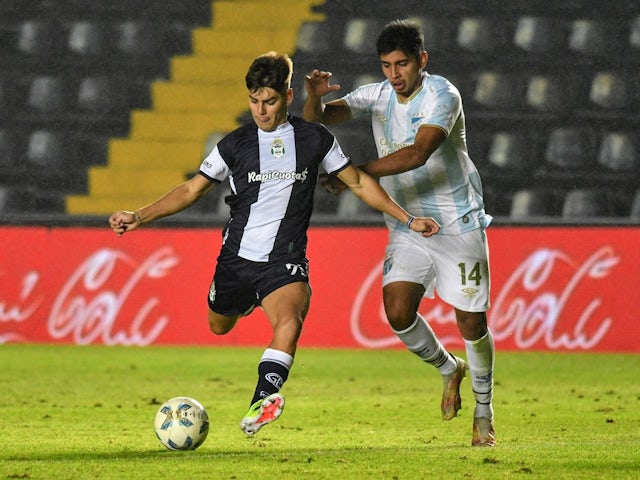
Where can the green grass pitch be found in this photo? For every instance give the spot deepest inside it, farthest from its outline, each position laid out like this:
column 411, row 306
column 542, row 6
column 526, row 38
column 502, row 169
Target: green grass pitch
column 70, row 412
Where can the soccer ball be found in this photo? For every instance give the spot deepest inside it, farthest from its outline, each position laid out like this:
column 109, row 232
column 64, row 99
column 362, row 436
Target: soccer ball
column 182, row 423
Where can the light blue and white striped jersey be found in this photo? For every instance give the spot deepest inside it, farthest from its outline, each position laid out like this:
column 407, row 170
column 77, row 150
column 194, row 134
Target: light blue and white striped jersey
column 448, row 186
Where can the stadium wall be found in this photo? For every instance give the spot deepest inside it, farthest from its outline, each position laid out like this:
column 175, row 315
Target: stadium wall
column 553, row 288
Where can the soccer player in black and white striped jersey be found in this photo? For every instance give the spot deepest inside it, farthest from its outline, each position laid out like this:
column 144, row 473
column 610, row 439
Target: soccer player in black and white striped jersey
column 273, row 166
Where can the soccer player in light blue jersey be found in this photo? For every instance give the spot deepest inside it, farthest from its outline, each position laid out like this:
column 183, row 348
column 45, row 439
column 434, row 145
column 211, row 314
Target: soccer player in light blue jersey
column 418, row 125
column 272, row 164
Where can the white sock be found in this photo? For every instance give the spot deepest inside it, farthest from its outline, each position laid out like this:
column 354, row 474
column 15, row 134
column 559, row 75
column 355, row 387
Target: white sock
column 480, row 357
column 420, row 339
column 277, row 356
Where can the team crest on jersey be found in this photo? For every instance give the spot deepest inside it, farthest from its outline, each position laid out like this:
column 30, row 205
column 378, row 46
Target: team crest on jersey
column 415, row 122
column 388, row 263
column 277, row 148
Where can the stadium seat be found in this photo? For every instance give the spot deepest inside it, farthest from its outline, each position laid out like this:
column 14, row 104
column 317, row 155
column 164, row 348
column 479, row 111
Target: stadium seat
column 511, row 152
column 619, row 152
column 15, row 199
column 610, row 90
column 315, row 38
column 39, row 37
column 539, row 35
column 592, row 37
column 635, row 207
column 634, row 33
column 47, row 149
column 528, row 203
column 570, row 148
column 477, row 34
column 137, row 38
column 87, row 38
column 49, row 93
column 360, row 35
column 549, row 94
column 101, row 94
column 587, row 203
column 496, row 90
column 437, row 32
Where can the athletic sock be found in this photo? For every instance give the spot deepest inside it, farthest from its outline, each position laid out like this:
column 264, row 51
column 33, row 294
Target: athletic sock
column 420, row 339
column 480, row 357
column 273, row 371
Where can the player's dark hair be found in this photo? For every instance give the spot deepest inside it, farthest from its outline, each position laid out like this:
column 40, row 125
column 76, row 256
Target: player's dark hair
column 273, row 70
column 402, row 35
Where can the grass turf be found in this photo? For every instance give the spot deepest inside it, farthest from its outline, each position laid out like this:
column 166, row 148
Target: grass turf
column 71, row 412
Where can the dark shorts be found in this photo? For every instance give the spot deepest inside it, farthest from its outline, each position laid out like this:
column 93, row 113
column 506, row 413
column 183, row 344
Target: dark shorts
column 239, row 285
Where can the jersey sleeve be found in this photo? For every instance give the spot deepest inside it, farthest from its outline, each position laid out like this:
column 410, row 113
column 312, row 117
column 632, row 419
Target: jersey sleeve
column 360, row 100
column 444, row 109
column 214, row 167
column 335, row 160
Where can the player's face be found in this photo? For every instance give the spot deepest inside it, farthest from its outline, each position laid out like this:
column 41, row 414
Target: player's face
column 269, row 107
column 403, row 71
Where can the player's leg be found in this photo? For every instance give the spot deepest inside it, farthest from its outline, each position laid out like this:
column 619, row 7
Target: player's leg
column 464, row 283
column 286, row 309
column 480, row 351
column 221, row 324
column 230, row 296
column 408, row 274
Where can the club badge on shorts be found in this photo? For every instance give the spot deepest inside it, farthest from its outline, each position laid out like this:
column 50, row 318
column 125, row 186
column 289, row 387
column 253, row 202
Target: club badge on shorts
column 212, row 292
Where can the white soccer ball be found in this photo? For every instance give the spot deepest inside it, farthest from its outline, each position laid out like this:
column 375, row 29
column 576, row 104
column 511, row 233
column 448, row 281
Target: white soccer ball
column 182, row 423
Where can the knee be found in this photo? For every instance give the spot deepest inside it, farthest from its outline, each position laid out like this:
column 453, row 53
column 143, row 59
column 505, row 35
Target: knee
column 400, row 317
column 218, row 329
column 220, row 325
column 401, row 302
column 472, row 325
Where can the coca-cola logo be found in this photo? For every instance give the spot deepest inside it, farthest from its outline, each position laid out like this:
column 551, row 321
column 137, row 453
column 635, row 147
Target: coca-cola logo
column 21, row 310
column 531, row 308
column 532, row 311
column 91, row 305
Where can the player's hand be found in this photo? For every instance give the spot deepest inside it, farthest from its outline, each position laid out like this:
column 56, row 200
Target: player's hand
column 124, row 221
column 427, row 226
column 332, row 184
column 317, row 83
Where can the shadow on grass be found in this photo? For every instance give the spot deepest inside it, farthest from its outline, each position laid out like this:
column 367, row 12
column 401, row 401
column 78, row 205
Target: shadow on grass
column 254, row 452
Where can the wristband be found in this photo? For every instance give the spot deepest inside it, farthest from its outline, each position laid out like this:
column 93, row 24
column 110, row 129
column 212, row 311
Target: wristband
column 136, row 217
column 411, row 219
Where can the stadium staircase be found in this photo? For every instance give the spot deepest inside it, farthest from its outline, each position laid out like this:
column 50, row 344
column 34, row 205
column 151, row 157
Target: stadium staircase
column 205, row 93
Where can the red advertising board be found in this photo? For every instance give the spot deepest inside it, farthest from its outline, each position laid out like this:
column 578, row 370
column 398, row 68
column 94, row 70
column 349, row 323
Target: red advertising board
column 553, row 288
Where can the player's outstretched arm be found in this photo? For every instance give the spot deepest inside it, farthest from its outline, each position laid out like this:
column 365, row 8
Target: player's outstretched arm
column 175, row 200
column 370, row 192
column 317, row 84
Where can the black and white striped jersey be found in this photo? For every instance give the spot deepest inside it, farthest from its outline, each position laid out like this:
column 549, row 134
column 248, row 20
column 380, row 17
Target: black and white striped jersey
column 273, row 176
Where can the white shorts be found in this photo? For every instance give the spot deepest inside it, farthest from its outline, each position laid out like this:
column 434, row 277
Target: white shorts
column 456, row 266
